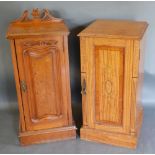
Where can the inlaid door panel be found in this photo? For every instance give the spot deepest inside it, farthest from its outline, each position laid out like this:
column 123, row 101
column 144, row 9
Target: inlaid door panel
column 108, row 93
column 109, row 77
column 41, row 74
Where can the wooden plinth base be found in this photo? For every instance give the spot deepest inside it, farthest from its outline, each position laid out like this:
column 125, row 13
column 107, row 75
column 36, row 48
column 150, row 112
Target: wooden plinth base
column 108, row 138
column 117, row 139
column 43, row 136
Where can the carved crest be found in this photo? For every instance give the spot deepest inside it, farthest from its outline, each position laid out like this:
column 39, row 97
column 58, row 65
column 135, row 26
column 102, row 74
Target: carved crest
column 49, row 43
column 30, row 47
column 37, row 15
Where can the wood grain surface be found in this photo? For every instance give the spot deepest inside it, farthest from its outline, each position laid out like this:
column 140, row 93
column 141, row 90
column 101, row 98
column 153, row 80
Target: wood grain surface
column 110, row 64
column 41, row 70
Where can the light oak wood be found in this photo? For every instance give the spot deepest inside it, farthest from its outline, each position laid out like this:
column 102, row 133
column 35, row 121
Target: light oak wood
column 48, row 135
column 123, row 29
column 47, row 25
column 111, row 81
column 41, row 69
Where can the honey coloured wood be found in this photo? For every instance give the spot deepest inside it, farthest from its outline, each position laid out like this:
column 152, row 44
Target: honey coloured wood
column 41, row 70
column 111, row 78
column 116, row 29
column 41, row 23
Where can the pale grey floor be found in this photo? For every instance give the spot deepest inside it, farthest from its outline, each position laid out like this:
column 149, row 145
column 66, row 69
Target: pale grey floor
column 9, row 141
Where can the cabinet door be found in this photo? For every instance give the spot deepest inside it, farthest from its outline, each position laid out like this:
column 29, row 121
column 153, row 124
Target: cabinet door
column 108, row 80
column 42, row 74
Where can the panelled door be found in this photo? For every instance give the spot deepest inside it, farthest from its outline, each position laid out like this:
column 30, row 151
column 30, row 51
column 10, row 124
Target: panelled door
column 108, row 84
column 42, row 73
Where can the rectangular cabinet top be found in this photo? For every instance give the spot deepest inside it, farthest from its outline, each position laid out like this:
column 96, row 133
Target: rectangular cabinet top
column 116, row 29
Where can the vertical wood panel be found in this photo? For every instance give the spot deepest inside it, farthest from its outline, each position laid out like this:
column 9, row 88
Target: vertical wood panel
column 128, row 85
column 16, row 75
column 84, row 71
column 44, row 84
column 42, row 67
column 136, row 58
column 123, row 121
column 67, row 102
column 109, row 78
column 90, row 82
column 133, row 105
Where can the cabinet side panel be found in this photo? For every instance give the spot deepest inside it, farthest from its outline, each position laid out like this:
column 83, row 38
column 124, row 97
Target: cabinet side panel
column 141, row 67
column 67, row 76
column 109, row 77
column 139, row 111
column 16, row 75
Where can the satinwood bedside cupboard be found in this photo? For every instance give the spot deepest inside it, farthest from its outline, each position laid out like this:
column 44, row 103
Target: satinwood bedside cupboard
column 111, row 77
column 41, row 69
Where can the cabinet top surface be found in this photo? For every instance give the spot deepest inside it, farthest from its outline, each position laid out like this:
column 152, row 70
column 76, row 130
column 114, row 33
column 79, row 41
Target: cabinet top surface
column 37, row 25
column 115, row 29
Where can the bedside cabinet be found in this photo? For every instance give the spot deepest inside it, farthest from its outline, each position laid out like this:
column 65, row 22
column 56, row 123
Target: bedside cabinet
column 41, row 69
column 111, row 78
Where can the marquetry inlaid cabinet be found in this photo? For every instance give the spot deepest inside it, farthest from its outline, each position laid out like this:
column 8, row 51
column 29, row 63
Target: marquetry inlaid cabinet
column 41, row 69
column 111, row 78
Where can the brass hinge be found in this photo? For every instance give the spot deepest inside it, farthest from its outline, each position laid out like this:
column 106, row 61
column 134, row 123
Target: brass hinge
column 23, row 86
column 83, row 91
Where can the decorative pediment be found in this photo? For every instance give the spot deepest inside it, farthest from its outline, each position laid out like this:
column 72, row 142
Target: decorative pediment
column 37, row 15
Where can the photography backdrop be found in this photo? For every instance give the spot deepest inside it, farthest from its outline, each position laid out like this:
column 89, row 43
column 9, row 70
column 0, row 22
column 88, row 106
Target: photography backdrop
column 77, row 16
